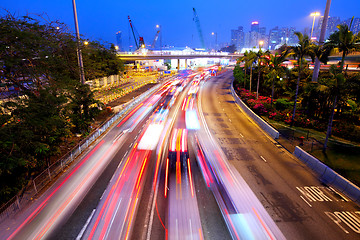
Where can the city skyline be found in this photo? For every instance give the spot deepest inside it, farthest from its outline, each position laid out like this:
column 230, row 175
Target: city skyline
column 279, row 35
column 101, row 21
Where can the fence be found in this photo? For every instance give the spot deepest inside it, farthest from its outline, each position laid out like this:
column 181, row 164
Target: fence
column 39, row 182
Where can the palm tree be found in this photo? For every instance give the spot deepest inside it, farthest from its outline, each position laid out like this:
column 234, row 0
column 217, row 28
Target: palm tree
column 344, row 41
column 251, row 60
column 244, row 59
column 337, row 86
column 261, row 60
column 302, row 49
column 276, row 68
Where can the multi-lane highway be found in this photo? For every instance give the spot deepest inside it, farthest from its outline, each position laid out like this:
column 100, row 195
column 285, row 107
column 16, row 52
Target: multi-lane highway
column 187, row 163
column 301, row 206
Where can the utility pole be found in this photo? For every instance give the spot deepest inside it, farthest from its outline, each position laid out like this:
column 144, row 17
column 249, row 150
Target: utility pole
column 321, row 40
column 79, row 55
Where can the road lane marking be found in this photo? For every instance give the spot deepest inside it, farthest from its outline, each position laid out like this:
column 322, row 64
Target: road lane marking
column 263, row 158
column 347, row 218
column 79, row 236
column 314, row 194
column 305, row 201
column 344, row 198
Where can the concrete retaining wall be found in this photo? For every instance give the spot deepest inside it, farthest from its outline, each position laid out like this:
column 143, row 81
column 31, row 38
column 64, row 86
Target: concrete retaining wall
column 264, row 125
column 329, row 176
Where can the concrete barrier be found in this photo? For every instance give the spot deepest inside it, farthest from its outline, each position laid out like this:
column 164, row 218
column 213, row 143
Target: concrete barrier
column 329, row 176
column 263, row 124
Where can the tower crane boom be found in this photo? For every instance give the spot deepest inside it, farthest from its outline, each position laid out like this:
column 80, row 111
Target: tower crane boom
column 155, row 39
column 197, row 21
column 141, row 39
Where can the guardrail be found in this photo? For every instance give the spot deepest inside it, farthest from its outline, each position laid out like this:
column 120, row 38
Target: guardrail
column 329, row 176
column 263, row 124
column 40, row 181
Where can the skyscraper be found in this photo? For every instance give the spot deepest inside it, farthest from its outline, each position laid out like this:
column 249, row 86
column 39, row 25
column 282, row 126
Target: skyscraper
column 274, row 38
column 237, row 38
column 355, row 28
column 331, row 26
column 119, row 41
column 254, row 26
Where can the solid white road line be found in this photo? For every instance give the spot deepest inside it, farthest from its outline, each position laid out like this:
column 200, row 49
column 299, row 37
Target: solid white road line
column 79, row 236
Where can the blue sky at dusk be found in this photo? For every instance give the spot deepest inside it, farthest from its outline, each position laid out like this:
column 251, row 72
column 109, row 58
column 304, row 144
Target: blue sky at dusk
column 100, row 20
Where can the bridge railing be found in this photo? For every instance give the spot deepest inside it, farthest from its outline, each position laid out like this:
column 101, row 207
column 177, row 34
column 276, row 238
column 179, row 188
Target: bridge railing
column 44, row 178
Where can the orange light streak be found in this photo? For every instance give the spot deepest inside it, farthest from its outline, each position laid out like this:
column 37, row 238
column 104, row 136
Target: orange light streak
column 263, row 224
column 166, row 176
column 190, row 176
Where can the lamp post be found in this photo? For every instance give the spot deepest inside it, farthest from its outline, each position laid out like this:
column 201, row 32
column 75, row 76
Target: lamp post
column 321, row 40
column 80, row 61
column 314, row 14
column 159, row 26
column 215, row 33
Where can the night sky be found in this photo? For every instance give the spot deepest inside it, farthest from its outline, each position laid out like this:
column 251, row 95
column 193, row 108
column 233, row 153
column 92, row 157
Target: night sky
column 100, row 20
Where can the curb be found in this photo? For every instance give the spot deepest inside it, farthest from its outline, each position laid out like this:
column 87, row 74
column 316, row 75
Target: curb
column 264, row 125
column 328, row 176
column 325, row 174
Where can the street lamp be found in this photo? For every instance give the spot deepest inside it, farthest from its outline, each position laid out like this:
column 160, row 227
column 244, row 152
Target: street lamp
column 261, row 43
column 314, row 14
column 215, row 33
column 79, row 55
column 159, row 27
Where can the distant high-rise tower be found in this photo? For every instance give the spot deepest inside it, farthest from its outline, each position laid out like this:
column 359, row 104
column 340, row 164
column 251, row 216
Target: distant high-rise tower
column 237, row 38
column 254, row 27
column 274, row 38
column 119, row 41
column 355, row 28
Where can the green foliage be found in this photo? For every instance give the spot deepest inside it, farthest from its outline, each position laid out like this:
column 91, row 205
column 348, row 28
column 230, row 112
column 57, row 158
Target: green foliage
column 33, row 128
column 282, row 104
column 239, row 74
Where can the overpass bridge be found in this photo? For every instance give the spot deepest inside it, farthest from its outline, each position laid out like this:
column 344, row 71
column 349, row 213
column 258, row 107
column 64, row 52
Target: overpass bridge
column 168, row 55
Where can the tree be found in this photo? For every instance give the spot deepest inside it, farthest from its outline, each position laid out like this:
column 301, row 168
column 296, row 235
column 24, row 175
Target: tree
column 251, row 59
column 83, row 107
column 337, row 84
column 245, row 60
column 261, row 60
column 39, row 56
column 229, row 49
column 344, row 41
column 276, row 68
column 100, row 61
column 302, row 49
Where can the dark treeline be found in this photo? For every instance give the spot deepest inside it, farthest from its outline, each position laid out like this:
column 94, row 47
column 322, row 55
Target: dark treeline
column 39, row 57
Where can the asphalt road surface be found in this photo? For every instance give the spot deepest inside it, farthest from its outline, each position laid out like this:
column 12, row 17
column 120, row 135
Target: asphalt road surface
column 301, row 206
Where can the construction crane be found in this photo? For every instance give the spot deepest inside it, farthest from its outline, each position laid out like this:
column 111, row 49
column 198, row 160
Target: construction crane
column 197, row 21
column 141, row 39
column 155, row 39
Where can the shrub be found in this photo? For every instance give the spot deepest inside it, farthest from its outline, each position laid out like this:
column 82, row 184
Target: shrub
column 282, row 104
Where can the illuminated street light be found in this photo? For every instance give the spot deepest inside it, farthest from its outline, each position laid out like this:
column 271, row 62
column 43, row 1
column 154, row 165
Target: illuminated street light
column 314, row 14
column 86, row 43
column 116, row 47
column 261, row 43
column 215, row 33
